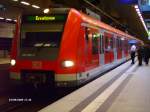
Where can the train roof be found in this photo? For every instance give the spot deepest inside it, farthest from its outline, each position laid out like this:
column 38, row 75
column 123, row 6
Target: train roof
column 103, row 25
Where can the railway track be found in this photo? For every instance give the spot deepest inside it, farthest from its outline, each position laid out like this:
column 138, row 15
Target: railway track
column 8, row 107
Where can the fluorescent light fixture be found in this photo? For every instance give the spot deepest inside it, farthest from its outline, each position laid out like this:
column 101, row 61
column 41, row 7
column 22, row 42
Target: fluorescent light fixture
column 46, row 11
column 8, row 19
column 35, row 6
column 15, row 20
column 138, row 10
column 140, row 16
column 1, row 18
column 15, row 0
column 136, row 6
column 122, row 39
column 25, row 3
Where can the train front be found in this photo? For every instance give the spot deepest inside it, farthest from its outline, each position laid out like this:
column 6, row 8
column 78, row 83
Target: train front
column 36, row 47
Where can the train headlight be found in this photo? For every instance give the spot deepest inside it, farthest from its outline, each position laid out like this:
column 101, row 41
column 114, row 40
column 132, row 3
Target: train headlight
column 67, row 63
column 13, row 62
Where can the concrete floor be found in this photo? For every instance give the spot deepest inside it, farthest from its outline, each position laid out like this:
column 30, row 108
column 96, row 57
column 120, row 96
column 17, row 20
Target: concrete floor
column 135, row 96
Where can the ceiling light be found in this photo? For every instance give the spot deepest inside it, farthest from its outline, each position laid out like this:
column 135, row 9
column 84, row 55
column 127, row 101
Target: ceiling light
column 136, row 6
column 15, row 0
column 15, row 20
column 140, row 16
column 138, row 10
column 46, row 10
column 1, row 18
column 9, row 19
column 35, row 6
column 25, row 3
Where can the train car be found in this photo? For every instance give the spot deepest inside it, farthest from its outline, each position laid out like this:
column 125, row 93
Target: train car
column 65, row 48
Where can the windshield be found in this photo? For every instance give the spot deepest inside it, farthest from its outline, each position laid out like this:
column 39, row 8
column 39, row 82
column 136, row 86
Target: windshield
column 46, row 36
column 39, row 39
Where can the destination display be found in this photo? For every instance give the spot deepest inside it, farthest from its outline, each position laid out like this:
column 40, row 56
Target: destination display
column 43, row 18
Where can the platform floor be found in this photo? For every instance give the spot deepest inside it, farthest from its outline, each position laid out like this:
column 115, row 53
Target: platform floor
column 133, row 95
column 114, row 92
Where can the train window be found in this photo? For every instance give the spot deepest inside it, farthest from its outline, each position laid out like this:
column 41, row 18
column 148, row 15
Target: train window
column 94, row 44
column 106, row 42
column 121, row 44
column 111, row 43
column 115, row 42
column 101, row 44
column 86, row 34
column 126, row 45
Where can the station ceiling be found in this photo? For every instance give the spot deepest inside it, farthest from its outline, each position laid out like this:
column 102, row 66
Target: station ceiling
column 118, row 15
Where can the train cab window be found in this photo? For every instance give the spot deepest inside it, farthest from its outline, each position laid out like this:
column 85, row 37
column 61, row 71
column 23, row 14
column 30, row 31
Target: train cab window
column 95, row 43
column 41, row 34
column 38, row 38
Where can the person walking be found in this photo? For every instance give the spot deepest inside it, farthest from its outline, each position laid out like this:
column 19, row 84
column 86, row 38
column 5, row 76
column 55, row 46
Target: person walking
column 146, row 54
column 140, row 53
column 132, row 53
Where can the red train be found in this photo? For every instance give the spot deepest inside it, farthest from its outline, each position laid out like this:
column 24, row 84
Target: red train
column 65, row 48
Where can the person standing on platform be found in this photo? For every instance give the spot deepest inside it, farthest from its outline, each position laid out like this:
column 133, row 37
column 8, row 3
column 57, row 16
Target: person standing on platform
column 146, row 54
column 132, row 53
column 140, row 53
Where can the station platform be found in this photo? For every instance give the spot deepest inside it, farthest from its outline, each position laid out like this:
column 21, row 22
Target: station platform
column 124, row 89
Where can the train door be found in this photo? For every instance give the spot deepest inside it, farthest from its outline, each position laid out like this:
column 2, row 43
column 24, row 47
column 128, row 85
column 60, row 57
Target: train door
column 91, row 58
column 101, row 54
column 95, row 47
column 87, row 48
column 109, row 54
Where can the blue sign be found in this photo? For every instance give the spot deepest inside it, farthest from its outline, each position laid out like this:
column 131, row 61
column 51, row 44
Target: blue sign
column 132, row 41
column 129, row 2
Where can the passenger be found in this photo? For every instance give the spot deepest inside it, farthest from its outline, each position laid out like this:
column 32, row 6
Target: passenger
column 132, row 53
column 146, row 54
column 140, row 53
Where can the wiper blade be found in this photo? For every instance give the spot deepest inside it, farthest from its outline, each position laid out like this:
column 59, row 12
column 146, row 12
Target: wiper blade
column 38, row 45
